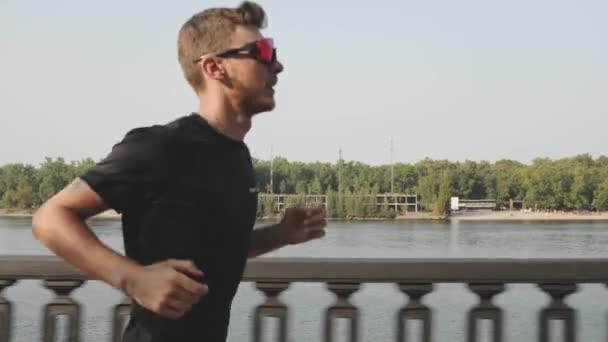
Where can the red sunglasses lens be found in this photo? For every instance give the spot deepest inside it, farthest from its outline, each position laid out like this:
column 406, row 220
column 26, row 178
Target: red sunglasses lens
column 266, row 49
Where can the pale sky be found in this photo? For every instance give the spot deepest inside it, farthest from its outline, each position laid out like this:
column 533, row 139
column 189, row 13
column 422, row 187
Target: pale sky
column 477, row 80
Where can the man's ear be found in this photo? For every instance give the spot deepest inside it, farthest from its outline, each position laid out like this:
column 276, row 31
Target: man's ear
column 213, row 68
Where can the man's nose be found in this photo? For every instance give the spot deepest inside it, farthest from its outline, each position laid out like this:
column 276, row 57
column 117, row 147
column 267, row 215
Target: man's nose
column 277, row 67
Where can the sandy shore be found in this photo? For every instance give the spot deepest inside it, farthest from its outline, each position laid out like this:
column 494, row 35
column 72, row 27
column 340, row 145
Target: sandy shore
column 421, row 215
column 461, row 216
column 529, row 216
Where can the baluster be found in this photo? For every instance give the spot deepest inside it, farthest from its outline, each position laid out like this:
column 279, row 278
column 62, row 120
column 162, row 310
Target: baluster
column 5, row 312
column 485, row 310
column 342, row 308
column 558, row 310
column 414, row 310
column 62, row 304
column 272, row 307
column 121, row 311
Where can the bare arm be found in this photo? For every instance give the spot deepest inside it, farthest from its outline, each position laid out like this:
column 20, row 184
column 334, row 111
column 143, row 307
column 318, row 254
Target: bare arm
column 266, row 240
column 60, row 225
column 298, row 225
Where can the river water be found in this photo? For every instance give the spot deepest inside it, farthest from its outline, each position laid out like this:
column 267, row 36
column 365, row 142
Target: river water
column 378, row 303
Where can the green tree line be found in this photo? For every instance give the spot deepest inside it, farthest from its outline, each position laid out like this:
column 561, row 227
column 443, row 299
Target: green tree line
column 24, row 186
column 575, row 183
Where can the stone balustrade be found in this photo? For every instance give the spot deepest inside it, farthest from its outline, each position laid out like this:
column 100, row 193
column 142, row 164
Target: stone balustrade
column 415, row 278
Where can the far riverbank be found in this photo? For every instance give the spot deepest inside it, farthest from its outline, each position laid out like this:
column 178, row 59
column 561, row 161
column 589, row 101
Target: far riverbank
column 460, row 216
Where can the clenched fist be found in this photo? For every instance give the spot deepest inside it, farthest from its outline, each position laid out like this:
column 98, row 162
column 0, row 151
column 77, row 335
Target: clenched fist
column 167, row 288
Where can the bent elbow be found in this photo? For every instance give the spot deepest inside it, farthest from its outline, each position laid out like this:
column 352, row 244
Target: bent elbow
column 40, row 224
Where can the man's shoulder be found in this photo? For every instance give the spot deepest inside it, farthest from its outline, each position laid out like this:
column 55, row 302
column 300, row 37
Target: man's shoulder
column 190, row 129
column 156, row 133
column 146, row 133
column 180, row 122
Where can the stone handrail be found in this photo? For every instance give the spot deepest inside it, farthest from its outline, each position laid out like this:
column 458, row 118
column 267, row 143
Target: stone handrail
column 445, row 270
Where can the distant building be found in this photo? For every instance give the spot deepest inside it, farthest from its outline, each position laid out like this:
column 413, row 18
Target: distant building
column 516, row 204
column 402, row 203
column 457, row 204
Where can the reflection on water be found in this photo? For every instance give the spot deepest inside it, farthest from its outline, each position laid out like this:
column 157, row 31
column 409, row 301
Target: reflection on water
column 398, row 239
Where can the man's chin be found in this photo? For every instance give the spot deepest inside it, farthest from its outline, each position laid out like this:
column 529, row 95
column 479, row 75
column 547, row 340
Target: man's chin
column 261, row 108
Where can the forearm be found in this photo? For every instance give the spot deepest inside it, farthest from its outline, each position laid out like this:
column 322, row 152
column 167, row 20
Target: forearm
column 66, row 234
column 265, row 240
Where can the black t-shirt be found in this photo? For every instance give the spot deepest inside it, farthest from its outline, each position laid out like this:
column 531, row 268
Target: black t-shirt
column 185, row 191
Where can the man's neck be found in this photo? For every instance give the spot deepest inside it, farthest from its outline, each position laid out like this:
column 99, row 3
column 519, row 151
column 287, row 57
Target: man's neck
column 225, row 119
